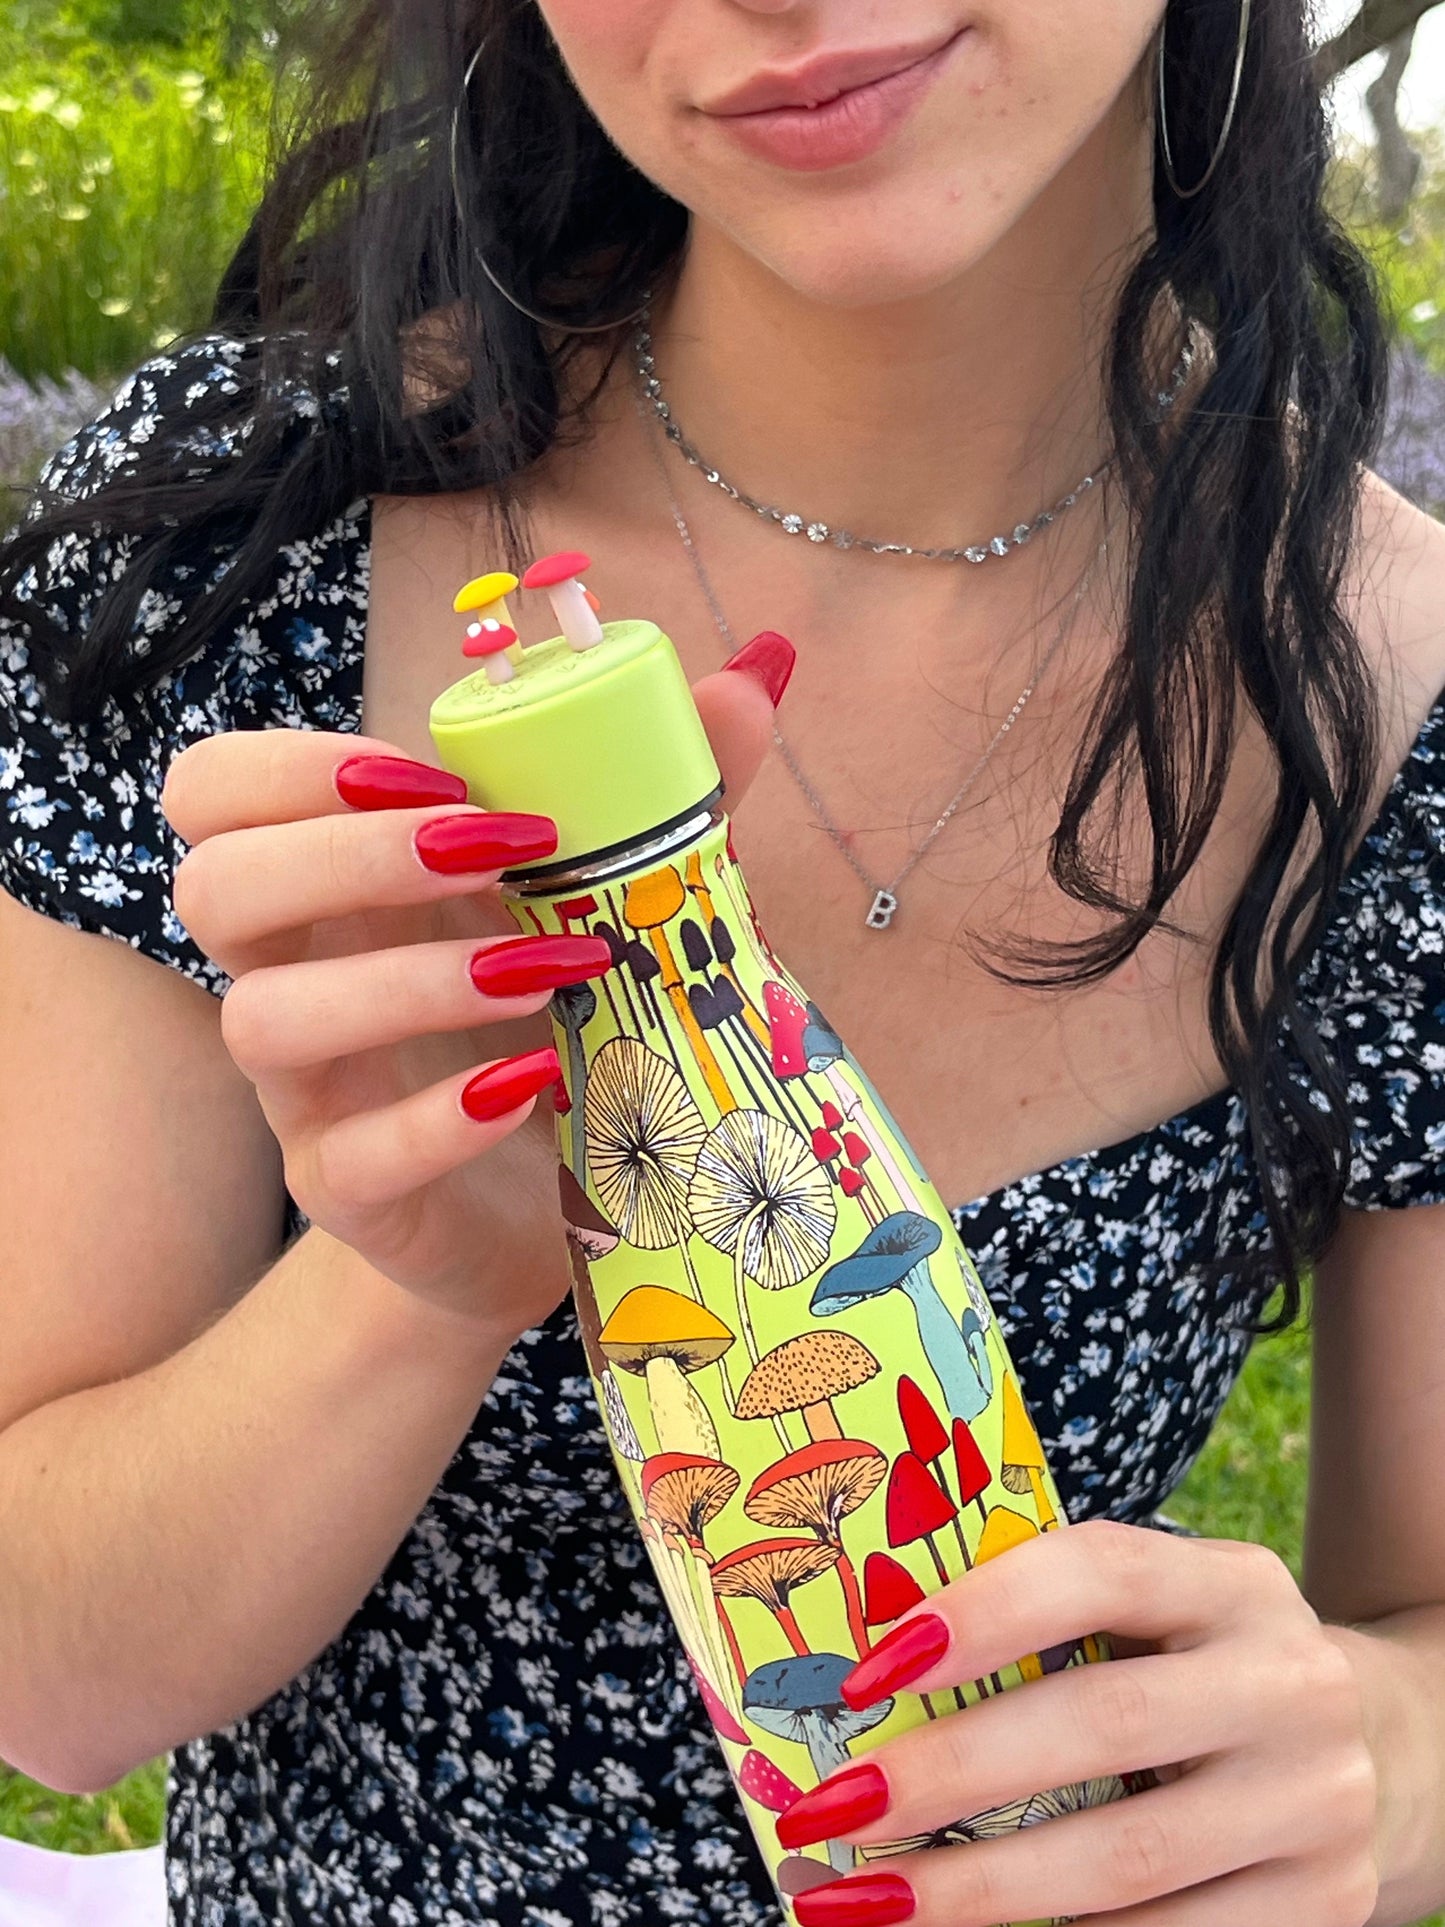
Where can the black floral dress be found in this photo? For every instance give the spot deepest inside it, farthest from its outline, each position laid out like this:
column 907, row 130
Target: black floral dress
column 506, row 1732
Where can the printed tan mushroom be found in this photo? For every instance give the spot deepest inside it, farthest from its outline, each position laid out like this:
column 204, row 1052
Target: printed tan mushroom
column 587, row 1230
column 683, row 1493
column 643, row 1133
column 758, row 1195
column 771, row 1570
column 1023, row 1467
column 664, row 1336
column 805, row 1375
column 814, row 1490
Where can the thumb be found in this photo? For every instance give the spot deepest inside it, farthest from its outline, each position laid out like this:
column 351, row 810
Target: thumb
column 737, row 706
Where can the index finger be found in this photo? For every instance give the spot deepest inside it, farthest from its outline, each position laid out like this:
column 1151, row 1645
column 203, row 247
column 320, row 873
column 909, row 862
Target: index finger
column 244, row 779
column 1054, row 1590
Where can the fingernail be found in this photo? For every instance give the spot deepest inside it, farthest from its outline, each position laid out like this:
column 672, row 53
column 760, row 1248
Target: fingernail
column 523, row 964
column 851, row 1799
column 503, row 1086
column 494, row 840
column 769, row 660
column 385, row 782
column 898, row 1659
column 862, row 1900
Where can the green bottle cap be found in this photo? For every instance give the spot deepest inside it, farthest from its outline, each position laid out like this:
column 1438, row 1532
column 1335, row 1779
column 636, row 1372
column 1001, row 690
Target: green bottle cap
column 605, row 740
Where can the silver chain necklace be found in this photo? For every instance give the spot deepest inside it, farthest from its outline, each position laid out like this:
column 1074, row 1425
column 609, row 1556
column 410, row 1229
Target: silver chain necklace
column 820, row 532
column 884, row 905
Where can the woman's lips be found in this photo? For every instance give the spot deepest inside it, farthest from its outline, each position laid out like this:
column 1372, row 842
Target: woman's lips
column 848, row 128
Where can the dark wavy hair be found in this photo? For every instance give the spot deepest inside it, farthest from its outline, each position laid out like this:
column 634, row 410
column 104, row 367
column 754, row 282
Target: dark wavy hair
column 1242, row 506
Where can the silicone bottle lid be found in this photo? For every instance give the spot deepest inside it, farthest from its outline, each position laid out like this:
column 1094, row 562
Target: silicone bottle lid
column 605, row 740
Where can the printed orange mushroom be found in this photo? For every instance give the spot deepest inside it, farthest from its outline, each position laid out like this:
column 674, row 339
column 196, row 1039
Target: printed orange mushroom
column 804, row 1375
column 574, row 609
column 685, row 1492
column 1023, row 1465
column 815, row 1490
column 771, row 1570
column 663, row 1337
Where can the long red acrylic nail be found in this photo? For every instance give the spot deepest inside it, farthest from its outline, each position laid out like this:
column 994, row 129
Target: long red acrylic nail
column 519, row 965
column 898, row 1659
column 394, row 782
column 486, row 840
column 501, row 1087
column 862, row 1900
column 851, row 1799
column 769, row 659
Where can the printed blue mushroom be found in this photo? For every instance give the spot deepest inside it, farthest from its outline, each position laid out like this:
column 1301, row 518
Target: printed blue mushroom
column 895, row 1254
column 975, row 1338
column 800, row 1698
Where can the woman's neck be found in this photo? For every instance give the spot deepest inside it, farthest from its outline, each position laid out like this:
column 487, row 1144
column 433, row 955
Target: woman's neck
column 938, row 420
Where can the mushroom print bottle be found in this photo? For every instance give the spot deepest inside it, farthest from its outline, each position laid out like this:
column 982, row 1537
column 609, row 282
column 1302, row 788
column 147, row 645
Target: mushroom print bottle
column 808, row 1399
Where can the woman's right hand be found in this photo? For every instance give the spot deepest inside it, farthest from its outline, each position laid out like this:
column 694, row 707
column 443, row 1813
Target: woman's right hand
column 376, row 1003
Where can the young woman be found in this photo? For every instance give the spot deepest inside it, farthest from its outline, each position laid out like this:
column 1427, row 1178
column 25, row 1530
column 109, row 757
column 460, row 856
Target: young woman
column 299, row 1454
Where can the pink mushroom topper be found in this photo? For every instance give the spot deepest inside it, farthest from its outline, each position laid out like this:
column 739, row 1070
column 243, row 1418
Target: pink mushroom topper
column 575, row 605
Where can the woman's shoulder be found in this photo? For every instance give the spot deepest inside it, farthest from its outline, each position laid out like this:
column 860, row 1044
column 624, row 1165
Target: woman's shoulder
column 1395, row 594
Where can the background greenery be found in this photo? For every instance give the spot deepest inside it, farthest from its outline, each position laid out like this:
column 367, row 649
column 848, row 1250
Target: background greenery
column 133, row 135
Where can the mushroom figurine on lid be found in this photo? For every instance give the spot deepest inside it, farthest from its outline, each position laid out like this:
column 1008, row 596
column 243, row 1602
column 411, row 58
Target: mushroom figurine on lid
column 491, row 641
column 574, row 605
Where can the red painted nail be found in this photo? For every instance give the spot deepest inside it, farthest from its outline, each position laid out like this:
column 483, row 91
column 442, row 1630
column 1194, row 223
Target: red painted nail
column 394, row 782
column 494, row 840
column 501, row 1087
column 862, row 1900
column 851, row 1799
column 524, row 964
column 898, row 1659
column 769, row 660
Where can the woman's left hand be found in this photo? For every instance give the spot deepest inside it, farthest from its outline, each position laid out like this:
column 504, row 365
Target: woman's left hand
column 1248, row 1708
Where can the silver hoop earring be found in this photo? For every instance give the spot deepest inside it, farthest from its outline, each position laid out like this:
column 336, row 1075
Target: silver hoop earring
column 1188, row 193
column 542, row 320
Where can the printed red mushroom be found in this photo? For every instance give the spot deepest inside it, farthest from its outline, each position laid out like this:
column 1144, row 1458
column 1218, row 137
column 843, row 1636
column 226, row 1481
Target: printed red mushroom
column 786, row 1018
column 929, row 1439
column 825, row 1145
column 851, row 1182
column 766, row 1783
column 917, row 1507
column 491, row 641
column 771, row 1570
column 575, row 611
column 815, row 1490
column 832, row 1116
column 971, row 1468
column 856, row 1149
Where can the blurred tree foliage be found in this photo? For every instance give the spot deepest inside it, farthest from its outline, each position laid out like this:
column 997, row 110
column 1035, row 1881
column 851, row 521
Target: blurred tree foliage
column 235, row 27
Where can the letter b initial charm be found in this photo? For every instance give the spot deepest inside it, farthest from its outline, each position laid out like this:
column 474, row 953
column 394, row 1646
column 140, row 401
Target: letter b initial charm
column 880, row 915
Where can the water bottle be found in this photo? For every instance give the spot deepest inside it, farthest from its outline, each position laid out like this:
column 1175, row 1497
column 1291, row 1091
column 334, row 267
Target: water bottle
column 810, row 1404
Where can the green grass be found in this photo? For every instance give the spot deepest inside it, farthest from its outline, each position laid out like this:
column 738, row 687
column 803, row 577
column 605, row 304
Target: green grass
column 126, row 183
column 1249, row 1483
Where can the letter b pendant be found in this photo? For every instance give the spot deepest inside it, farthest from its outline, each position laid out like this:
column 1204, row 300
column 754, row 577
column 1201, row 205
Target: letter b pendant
column 881, row 913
